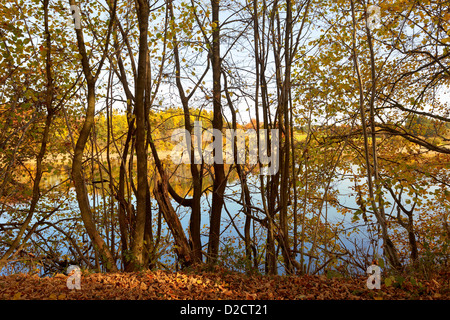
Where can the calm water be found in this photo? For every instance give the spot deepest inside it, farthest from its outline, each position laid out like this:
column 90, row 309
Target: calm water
column 230, row 237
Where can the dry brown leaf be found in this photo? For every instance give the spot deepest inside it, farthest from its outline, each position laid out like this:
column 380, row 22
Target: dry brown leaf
column 208, row 285
column 143, row 286
column 17, row 296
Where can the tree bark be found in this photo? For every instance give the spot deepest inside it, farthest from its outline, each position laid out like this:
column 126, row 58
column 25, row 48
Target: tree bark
column 183, row 250
column 77, row 163
column 196, row 171
column 388, row 245
column 219, row 182
column 137, row 248
column 249, row 248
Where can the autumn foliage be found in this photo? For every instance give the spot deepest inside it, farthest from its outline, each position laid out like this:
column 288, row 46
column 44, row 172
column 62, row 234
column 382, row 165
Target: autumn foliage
column 87, row 178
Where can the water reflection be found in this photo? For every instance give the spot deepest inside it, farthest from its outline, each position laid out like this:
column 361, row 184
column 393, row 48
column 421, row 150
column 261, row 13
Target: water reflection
column 339, row 233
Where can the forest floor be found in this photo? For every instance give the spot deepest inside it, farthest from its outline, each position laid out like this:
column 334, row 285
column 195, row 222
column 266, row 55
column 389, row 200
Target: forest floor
column 220, row 284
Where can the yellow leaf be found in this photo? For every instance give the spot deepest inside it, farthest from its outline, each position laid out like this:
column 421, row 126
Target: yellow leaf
column 17, row 296
column 53, row 297
column 62, row 296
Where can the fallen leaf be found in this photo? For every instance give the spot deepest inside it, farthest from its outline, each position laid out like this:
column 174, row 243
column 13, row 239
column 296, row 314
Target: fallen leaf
column 436, row 283
column 17, row 296
column 212, row 285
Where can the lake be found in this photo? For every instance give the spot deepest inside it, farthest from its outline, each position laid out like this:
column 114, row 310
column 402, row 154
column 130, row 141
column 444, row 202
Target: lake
column 355, row 237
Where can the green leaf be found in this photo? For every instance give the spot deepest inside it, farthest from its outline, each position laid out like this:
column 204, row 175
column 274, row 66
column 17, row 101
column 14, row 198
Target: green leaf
column 388, row 282
column 400, row 280
column 381, row 263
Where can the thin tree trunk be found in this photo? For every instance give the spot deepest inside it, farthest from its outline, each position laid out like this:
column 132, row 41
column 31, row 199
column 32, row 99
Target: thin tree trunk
column 388, row 245
column 284, row 155
column 196, row 172
column 183, row 250
column 243, row 180
column 77, row 163
column 306, row 186
column 125, row 212
column 44, row 140
column 137, row 248
column 219, row 182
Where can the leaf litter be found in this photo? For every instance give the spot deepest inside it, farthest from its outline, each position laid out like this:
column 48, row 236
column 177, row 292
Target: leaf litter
column 208, row 285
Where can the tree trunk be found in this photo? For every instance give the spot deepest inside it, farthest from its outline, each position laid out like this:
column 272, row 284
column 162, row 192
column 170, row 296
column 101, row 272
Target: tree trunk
column 219, row 182
column 284, row 154
column 390, row 250
column 244, row 186
column 196, row 172
column 182, row 247
column 42, row 151
column 137, row 248
column 77, row 163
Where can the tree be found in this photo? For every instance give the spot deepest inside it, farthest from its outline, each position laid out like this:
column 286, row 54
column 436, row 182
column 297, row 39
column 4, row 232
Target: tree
column 77, row 170
column 219, row 180
column 137, row 249
column 49, row 98
column 328, row 95
column 374, row 185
